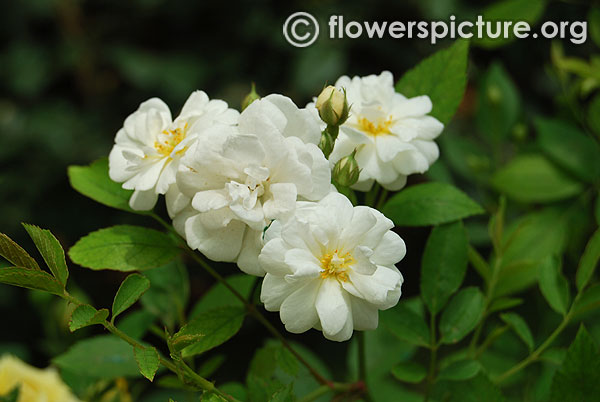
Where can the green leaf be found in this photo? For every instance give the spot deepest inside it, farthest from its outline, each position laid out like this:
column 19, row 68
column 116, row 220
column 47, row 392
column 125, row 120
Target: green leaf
column 15, row 253
column 406, row 325
column 509, row 10
column 520, row 327
column 554, row 285
column 220, row 296
column 597, row 209
column 527, row 242
column 93, row 182
column 211, row 397
column 476, row 389
column 85, row 315
column 285, row 394
column 462, row 314
column 593, row 110
column 147, row 360
column 124, row 248
column 569, row 148
column 12, row 396
column 504, row 303
column 578, row 379
column 588, row 261
column 31, row 279
column 409, row 372
column 430, row 204
column 51, row 251
column 532, row 178
column 169, row 292
column 104, row 356
column 594, row 24
column 588, row 301
column 132, row 288
column 460, row 370
column 444, row 264
column 442, row 76
column 208, row 330
column 498, row 105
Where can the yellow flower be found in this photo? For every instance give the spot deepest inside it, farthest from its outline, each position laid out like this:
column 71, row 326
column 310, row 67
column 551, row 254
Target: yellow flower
column 36, row 385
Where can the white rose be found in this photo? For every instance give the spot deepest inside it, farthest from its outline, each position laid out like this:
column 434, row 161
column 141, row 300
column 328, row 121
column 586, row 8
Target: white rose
column 147, row 150
column 241, row 178
column 331, row 267
column 393, row 134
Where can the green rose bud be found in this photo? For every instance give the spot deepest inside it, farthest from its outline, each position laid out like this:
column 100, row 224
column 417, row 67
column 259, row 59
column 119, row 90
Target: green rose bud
column 251, row 97
column 346, row 170
column 326, row 143
column 333, row 106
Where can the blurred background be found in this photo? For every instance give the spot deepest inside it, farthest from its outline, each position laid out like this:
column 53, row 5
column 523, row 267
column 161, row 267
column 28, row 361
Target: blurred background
column 72, row 70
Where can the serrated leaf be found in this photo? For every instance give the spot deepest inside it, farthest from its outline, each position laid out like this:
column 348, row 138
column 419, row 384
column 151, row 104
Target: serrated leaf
column 498, row 105
column 15, row 253
column 287, row 361
column 211, row 328
column 285, row 394
column 509, row 10
column 554, row 285
column 430, row 204
column 519, row 325
column 85, row 315
column 104, row 356
column 462, row 314
column 569, row 148
column 460, row 370
column 169, row 292
column 442, row 76
column 93, row 182
column 51, row 251
column 410, row 372
column 406, row 325
column 532, row 178
column 443, row 265
column 132, row 288
column 124, row 248
column 31, row 279
column 578, row 379
column 588, row 261
column 147, row 360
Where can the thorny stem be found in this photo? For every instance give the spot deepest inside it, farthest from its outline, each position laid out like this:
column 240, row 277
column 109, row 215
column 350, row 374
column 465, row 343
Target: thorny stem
column 197, row 380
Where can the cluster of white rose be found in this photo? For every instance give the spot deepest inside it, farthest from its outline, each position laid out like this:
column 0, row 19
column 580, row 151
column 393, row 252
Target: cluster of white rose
column 255, row 188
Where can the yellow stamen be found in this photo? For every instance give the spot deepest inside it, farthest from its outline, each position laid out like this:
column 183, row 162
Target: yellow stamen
column 336, row 265
column 381, row 128
column 169, row 139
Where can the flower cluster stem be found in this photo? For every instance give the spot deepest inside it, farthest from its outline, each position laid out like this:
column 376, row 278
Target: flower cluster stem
column 195, row 378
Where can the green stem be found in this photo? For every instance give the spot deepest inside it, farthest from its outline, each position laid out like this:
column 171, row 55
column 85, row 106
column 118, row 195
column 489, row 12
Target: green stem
column 490, row 339
column 322, row 390
column 382, row 198
column 249, row 306
column 536, row 354
column 197, row 380
column 362, row 361
column 433, row 359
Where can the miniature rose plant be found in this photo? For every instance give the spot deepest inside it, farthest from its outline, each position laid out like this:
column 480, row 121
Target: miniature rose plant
column 308, row 204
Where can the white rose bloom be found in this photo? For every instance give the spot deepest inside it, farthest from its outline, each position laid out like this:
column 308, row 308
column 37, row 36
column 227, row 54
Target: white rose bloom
column 393, row 134
column 149, row 146
column 331, row 267
column 241, row 178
